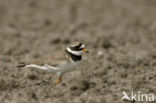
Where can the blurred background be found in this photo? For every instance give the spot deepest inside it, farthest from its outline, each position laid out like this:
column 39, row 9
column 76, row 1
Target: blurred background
column 120, row 34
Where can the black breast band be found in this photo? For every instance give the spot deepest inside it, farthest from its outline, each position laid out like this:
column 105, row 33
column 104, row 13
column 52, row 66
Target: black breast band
column 73, row 56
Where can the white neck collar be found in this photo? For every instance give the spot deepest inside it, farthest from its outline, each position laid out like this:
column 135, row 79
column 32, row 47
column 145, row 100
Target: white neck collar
column 78, row 53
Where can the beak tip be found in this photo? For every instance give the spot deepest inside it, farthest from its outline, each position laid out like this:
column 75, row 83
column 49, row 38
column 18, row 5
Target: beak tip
column 85, row 50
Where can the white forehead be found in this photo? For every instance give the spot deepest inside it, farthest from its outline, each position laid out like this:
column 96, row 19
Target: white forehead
column 82, row 46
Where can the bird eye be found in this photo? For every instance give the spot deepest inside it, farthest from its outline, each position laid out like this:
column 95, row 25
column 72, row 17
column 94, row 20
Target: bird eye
column 80, row 44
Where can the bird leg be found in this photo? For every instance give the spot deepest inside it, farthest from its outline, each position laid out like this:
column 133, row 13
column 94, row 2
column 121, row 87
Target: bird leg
column 58, row 80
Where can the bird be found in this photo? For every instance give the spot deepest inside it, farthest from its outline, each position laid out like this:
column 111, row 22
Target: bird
column 59, row 62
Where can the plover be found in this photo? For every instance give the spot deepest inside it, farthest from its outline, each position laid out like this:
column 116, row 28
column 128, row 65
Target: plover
column 60, row 62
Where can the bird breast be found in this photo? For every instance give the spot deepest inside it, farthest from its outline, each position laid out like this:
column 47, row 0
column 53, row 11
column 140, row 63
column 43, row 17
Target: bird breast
column 68, row 66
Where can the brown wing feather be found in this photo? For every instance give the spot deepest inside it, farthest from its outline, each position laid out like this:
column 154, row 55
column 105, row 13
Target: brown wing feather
column 53, row 60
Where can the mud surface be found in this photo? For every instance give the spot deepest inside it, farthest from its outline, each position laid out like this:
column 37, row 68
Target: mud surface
column 120, row 34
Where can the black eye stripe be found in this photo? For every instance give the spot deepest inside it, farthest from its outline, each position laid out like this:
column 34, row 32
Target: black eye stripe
column 81, row 49
column 80, row 44
column 76, row 49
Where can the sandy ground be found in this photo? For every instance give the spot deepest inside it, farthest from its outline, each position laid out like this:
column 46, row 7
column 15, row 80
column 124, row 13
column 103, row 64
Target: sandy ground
column 120, row 34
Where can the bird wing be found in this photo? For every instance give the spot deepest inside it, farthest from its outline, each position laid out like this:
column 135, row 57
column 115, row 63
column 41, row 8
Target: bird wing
column 52, row 60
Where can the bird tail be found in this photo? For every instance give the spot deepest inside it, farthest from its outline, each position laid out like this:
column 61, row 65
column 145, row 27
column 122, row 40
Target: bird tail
column 45, row 67
column 21, row 65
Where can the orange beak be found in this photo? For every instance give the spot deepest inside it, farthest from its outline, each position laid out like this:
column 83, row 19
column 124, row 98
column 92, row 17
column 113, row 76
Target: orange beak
column 85, row 50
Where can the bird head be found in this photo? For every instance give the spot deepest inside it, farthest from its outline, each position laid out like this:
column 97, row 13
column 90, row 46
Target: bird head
column 77, row 49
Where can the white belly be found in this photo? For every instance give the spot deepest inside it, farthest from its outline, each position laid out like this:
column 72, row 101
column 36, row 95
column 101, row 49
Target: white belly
column 68, row 67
